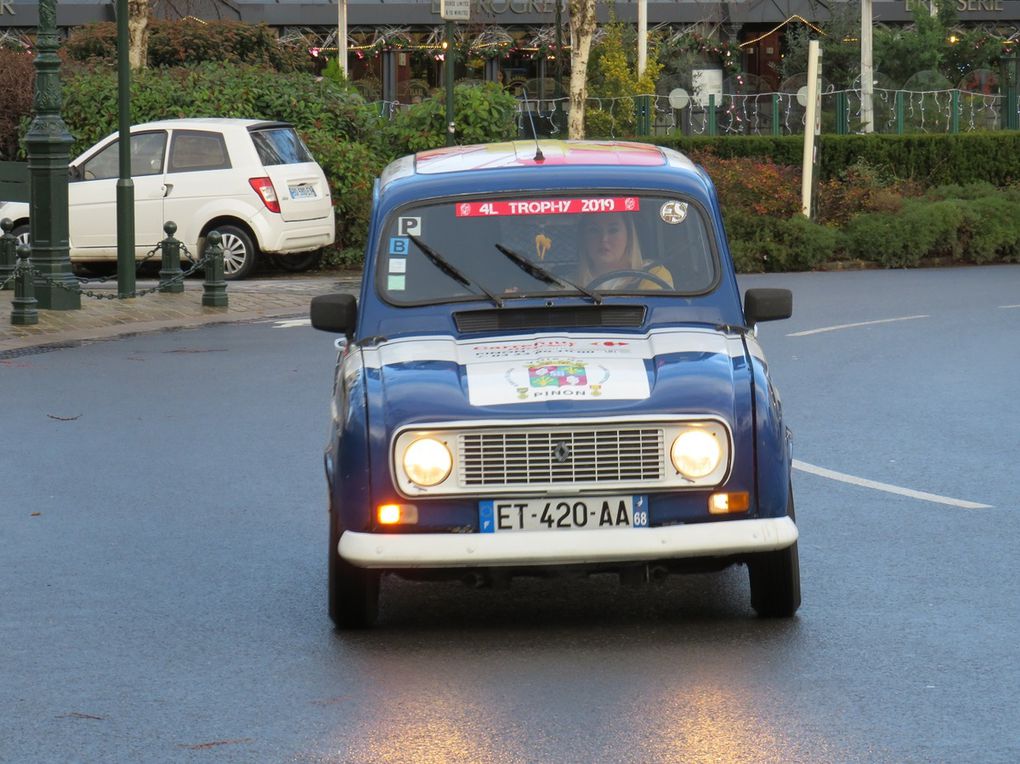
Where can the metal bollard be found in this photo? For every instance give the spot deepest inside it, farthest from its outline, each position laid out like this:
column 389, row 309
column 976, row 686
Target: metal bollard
column 214, row 290
column 23, row 311
column 8, row 253
column 171, row 267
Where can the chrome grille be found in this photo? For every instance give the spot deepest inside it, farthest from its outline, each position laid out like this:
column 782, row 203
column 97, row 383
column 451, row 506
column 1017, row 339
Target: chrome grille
column 593, row 455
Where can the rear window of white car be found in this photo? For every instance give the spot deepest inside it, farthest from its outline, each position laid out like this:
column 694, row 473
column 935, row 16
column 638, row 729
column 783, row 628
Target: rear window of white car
column 280, row 145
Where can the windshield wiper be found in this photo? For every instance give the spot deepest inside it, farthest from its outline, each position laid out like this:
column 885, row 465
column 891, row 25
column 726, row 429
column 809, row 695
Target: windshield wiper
column 444, row 265
column 542, row 274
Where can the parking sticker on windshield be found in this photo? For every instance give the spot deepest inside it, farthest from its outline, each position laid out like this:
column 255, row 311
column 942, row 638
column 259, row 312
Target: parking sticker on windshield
column 409, row 226
column 673, row 212
column 399, row 245
column 396, row 283
column 398, row 265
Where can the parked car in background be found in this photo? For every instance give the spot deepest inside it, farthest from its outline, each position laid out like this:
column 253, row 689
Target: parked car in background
column 254, row 181
column 549, row 371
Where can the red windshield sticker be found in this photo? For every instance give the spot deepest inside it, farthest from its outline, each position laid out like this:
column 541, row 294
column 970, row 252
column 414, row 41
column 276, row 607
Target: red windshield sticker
column 548, row 206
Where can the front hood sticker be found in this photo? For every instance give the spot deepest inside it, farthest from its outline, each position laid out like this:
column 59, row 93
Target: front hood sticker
column 556, row 378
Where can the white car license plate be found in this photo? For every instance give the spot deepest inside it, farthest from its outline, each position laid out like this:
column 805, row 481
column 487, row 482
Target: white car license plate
column 302, row 192
column 591, row 512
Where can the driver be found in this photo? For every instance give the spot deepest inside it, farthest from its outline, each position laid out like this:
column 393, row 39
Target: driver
column 609, row 243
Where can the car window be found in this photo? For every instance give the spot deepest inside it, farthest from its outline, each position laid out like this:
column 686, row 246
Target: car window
column 192, row 150
column 147, row 152
column 614, row 243
column 280, row 145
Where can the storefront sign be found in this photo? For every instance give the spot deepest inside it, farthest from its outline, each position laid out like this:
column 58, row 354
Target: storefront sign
column 7, row 6
column 962, row 6
column 498, row 7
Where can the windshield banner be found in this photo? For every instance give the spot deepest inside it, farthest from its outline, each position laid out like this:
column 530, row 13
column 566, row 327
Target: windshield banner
column 548, row 206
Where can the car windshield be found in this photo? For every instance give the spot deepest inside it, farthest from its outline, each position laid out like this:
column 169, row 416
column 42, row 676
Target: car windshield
column 588, row 245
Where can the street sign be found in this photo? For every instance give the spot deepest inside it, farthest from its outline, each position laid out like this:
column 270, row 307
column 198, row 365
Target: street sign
column 455, row 10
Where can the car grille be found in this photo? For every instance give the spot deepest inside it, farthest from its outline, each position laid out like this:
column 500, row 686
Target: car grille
column 536, row 457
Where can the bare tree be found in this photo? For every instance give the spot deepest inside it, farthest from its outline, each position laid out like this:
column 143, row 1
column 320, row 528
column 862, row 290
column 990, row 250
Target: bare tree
column 138, row 33
column 582, row 29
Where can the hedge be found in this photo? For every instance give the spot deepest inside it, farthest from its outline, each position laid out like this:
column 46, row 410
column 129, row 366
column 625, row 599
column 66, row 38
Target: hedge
column 934, row 160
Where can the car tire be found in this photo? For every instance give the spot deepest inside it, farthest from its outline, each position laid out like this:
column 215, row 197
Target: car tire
column 775, row 578
column 22, row 233
column 239, row 252
column 299, row 263
column 353, row 592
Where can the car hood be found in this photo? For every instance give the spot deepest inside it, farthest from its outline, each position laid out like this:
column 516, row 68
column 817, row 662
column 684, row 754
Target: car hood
column 542, row 376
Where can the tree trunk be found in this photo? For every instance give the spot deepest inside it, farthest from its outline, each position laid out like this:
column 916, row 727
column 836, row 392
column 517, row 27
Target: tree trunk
column 582, row 29
column 138, row 34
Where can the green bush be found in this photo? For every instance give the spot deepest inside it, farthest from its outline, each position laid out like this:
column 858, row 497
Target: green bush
column 762, row 243
column 483, row 114
column 191, row 41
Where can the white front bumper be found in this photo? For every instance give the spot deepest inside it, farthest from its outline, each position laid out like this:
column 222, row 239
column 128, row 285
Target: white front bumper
column 461, row 550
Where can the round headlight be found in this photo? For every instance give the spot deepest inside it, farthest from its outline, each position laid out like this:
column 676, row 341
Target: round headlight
column 427, row 462
column 695, row 453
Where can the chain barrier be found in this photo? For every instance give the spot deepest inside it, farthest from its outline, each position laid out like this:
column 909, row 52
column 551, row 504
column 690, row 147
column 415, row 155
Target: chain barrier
column 138, row 267
column 9, row 280
column 196, row 265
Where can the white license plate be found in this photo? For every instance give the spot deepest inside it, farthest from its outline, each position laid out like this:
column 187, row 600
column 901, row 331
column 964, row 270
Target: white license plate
column 562, row 514
column 302, row 192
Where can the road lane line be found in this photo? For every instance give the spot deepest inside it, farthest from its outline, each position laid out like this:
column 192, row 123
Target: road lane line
column 1009, row 306
column 922, row 495
column 851, row 326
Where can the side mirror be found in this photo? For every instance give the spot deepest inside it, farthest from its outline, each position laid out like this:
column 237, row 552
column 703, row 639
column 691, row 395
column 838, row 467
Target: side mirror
column 73, row 172
column 336, row 313
column 767, row 305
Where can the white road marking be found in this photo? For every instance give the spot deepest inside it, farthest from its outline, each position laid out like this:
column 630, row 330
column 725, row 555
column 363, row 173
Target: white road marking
column 851, row 326
column 1009, row 306
column 922, row 495
column 290, row 323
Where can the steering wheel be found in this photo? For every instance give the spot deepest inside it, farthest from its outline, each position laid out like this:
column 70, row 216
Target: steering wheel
column 642, row 275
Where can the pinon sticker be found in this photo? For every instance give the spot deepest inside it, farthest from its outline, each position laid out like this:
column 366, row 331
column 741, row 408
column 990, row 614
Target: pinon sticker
column 556, row 378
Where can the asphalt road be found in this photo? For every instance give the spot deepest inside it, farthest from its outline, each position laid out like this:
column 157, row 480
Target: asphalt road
column 162, row 567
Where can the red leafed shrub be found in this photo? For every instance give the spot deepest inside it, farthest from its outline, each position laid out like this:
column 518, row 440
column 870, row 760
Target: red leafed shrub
column 17, row 79
column 753, row 185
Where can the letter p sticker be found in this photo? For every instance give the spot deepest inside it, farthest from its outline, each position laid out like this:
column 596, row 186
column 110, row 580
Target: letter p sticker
column 409, row 226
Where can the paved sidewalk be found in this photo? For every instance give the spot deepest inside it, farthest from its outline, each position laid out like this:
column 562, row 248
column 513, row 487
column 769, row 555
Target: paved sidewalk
column 270, row 297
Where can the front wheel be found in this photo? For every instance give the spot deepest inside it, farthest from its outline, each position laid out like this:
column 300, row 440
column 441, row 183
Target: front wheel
column 775, row 578
column 353, row 592
column 239, row 252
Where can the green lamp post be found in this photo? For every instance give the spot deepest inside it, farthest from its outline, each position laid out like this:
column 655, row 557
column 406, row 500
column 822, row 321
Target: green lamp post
column 48, row 143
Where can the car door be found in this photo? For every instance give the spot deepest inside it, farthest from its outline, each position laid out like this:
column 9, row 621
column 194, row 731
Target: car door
column 200, row 181
column 92, row 195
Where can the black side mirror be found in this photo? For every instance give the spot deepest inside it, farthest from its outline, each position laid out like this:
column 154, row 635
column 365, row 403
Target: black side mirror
column 337, row 313
column 73, row 172
column 767, row 305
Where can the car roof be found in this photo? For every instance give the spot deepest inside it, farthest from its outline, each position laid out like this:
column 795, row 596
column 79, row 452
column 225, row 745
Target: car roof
column 532, row 153
column 207, row 122
column 488, row 167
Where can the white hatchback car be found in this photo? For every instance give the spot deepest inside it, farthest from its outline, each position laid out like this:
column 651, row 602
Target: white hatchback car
column 254, row 181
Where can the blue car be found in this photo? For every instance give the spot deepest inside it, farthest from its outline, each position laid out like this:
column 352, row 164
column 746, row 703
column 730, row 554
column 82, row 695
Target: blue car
column 549, row 370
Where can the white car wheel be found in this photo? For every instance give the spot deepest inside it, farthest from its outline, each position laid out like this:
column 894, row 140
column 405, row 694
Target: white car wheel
column 239, row 252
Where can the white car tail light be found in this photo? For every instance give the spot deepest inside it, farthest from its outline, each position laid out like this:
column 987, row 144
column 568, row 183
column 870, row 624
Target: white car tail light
column 264, row 188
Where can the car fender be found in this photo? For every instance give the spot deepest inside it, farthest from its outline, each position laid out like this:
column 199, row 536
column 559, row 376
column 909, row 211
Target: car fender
column 190, row 231
column 772, row 439
column 348, row 462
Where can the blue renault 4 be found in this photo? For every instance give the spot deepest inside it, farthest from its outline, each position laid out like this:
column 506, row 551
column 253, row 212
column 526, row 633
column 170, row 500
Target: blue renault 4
column 549, row 370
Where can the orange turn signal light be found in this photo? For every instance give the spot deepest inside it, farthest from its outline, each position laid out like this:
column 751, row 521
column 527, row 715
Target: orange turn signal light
column 397, row 514
column 726, row 503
